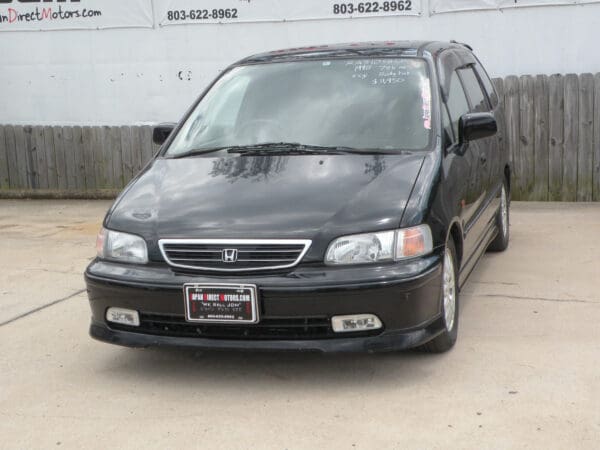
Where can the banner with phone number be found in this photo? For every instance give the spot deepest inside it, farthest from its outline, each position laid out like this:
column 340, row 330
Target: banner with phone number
column 176, row 12
column 443, row 6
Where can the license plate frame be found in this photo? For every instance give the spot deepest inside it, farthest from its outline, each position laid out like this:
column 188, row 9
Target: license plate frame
column 201, row 310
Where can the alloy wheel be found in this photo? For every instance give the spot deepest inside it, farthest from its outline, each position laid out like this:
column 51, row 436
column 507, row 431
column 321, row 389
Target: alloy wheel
column 504, row 212
column 449, row 290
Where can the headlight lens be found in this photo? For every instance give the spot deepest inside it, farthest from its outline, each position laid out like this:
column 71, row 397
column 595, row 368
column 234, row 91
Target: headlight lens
column 380, row 247
column 122, row 247
column 362, row 249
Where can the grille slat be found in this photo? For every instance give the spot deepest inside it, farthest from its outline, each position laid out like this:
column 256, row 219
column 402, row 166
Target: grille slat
column 268, row 328
column 209, row 254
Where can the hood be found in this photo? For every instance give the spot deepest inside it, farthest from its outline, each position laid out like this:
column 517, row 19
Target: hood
column 316, row 197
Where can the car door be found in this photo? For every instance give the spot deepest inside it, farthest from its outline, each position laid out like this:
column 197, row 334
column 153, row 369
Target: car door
column 466, row 176
column 478, row 103
column 495, row 160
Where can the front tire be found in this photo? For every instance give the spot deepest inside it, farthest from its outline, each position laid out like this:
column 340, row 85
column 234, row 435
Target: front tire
column 500, row 243
column 447, row 339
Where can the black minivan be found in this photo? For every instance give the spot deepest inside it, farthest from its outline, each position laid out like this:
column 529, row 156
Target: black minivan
column 331, row 198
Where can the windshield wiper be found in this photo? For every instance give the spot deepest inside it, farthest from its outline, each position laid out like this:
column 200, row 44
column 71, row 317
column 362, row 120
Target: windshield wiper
column 288, row 148
column 295, row 148
column 197, row 152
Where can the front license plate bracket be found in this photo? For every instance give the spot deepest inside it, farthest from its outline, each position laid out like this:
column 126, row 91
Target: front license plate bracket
column 221, row 303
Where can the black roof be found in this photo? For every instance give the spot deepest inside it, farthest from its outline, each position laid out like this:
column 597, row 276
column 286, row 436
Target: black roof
column 367, row 49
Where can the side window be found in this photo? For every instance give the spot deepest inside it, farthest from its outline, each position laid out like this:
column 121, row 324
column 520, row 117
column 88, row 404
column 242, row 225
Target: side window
column 457, row 102
column 487, row 84
column 474, row 92
column 448, row 133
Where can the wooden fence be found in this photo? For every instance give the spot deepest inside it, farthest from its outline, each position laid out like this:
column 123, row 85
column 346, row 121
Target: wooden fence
column 553, row 132
column 553, row 127
column 72, row 158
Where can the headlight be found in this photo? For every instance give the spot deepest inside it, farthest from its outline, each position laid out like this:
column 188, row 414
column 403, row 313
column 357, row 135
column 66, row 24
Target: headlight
column 121, row 247
column 380, row 247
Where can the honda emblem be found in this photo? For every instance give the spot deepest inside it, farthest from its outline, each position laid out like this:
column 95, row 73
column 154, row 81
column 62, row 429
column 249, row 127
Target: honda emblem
column 230, row 255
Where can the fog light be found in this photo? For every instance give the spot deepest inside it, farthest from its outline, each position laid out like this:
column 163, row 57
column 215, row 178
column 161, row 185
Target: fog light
column 361, row 322
column 123, row 316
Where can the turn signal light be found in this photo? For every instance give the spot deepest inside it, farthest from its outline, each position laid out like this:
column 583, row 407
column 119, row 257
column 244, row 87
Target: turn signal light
column 416, row 241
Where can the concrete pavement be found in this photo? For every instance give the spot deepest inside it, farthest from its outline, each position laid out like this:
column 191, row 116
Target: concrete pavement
column 524, row 373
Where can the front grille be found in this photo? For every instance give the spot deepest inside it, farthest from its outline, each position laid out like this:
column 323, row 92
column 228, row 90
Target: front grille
column 233, row 255
column 297, row 328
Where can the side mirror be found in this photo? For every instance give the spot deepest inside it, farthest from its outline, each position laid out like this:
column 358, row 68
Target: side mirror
column 161, row 132
column 474, row 126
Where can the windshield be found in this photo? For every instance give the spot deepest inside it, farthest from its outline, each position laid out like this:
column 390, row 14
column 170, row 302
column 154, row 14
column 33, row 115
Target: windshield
column 354, row 103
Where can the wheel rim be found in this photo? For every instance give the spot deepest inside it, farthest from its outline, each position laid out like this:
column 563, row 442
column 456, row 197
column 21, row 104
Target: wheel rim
column 504, row 212
column 449, row 290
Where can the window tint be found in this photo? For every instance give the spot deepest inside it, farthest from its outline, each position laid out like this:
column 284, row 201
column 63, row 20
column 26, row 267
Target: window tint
column 487, row 84
column 474, row 91
column 366, row 103
column 457, row 102
column 447, row 128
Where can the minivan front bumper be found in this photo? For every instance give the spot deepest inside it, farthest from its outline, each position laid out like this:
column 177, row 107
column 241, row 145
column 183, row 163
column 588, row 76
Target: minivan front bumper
column 405, row 296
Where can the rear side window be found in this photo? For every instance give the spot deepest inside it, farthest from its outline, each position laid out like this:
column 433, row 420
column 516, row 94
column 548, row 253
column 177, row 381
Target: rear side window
column 474, row 91
column 457, row 102
column 487, row 84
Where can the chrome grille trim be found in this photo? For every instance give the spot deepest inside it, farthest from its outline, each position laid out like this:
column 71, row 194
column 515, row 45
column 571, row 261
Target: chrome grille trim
column 278, row 263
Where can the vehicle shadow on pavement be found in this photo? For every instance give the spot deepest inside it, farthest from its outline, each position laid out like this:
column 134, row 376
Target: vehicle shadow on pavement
column 256, row 369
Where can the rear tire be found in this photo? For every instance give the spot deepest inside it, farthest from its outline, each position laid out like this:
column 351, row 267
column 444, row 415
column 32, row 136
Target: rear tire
column 450, row 303
column 500, row 243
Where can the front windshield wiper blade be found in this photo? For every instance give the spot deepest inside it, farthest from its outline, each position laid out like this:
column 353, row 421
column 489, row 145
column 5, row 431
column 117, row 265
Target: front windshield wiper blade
column 283, row 147
column 295, row 148
column 197, row 152
column 272, row 147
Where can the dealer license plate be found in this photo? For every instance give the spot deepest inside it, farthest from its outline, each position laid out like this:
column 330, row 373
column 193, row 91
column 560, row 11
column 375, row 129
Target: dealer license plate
column 220, row 303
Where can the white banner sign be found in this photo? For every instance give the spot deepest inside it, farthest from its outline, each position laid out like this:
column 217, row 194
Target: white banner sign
column 34, row 15
column 175, row 12
column 443, row 6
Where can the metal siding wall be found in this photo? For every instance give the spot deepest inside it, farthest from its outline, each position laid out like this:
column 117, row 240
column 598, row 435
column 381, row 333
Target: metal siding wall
column 134, row 76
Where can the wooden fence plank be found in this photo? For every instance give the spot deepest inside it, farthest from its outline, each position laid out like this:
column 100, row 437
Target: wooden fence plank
column 147, row 148
column 21, row 155
column 136, row 149
column 59, row 151
column 585, row 154
column 40, row 156
column 87, row 136
column 30, row 156
column 556, row 126
column 499, row 85
column 69, row 154
column 11, row 153
column 4, row 176
column 541, row 155
column 596, row 175
column 524, row 157
column 50, row 157
column 569, row 184
column 78, row 154
column 511, row 110
column 114, row 148
column 102, row 166
column 126, row 154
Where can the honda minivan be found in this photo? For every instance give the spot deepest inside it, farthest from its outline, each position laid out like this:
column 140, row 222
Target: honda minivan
column 331, row 198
